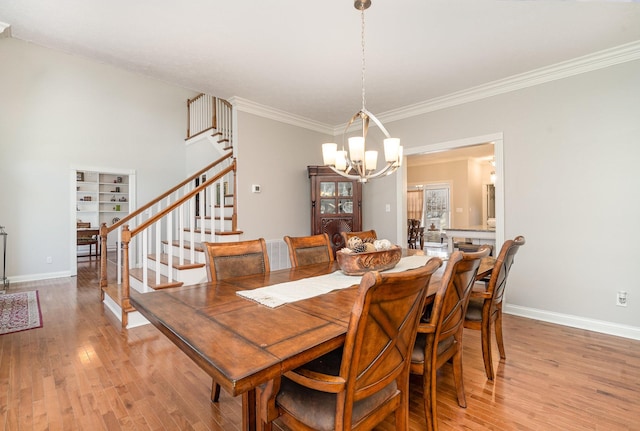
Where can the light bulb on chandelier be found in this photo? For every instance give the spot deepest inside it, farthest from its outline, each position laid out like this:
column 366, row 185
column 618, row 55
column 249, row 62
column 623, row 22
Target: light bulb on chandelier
column 360, row 163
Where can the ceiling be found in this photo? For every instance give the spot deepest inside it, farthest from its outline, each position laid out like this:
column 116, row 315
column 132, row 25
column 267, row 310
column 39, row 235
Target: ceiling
column 304, row 58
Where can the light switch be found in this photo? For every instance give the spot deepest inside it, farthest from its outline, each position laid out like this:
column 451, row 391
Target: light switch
column 387, row 208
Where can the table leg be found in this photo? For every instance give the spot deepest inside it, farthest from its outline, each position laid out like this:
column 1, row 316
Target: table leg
column 450, row 244
column 249, row 410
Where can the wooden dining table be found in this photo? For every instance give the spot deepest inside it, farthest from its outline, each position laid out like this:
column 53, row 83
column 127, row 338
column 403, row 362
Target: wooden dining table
column 242, row 344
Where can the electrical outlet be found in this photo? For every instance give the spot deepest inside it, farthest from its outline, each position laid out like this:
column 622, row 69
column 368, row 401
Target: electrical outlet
column 621, row 299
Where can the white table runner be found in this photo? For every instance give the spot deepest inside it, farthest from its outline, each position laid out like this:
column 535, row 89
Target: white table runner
column 292, row 291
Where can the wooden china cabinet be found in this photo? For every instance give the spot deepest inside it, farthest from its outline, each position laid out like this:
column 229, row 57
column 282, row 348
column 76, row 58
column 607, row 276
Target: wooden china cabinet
column 336, row 204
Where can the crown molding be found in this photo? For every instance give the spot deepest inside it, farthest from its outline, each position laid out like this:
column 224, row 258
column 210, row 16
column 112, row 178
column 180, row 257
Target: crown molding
column 576, row 66
column 598, row 60
column 5, row 30
column 245, row 105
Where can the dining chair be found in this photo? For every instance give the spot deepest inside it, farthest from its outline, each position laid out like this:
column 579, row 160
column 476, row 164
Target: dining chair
column 358, row 385
column 234, row 259
column 364, row 234
column 439, row 336
column 485, row 305
column 86, row 237
column 413, row 230
column 307, row 250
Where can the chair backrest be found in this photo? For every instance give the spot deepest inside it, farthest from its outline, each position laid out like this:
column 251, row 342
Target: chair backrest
column 382, row 329
column 452, row 298
column 413, row 230
column 501, row 268
column 307, row 250
column 84, row 237
column 235, row 259
column 364, row 234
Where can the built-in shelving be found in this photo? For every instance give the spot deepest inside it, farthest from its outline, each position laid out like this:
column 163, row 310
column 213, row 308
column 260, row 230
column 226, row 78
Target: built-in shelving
column 101, row 197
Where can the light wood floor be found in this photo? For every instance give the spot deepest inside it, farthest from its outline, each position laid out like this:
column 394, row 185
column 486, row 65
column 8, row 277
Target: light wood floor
column 82, row 372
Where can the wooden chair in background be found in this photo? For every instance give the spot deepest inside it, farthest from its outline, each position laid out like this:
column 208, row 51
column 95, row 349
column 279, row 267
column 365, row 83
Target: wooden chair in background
column 485, row 305
column 413, row 233
column 357, row 386
column 87, row 236
column 364, row 234
column 307, row 250
column 439, row 336
column 234, row 259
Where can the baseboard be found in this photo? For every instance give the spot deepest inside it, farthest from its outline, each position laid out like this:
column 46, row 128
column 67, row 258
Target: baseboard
column 626, row 331
column 36, row 277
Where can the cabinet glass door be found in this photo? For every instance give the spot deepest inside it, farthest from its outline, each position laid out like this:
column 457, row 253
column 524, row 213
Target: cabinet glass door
column 327, row 189
column 345, row 189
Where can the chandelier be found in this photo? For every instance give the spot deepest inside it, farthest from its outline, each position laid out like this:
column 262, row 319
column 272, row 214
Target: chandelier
column 359, row 163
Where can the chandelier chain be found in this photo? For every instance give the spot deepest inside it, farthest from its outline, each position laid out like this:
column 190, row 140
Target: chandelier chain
column 363, row 61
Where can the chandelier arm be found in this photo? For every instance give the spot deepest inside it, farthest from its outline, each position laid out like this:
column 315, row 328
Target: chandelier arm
column 378, row 123
column 346, row 129
column 387, row 170
column 344, row 174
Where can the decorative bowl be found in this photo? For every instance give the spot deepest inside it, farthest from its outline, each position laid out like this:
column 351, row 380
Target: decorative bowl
column 359, row 263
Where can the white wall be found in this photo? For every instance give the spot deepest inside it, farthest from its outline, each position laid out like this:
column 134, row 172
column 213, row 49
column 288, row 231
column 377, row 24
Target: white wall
column 571, row 157
column 275, row 156
column 58, row 111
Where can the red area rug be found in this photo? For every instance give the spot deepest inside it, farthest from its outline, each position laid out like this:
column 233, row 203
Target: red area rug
column 19, row 312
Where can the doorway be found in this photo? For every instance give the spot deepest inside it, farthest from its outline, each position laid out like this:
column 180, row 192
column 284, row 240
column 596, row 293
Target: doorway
column 440, row 149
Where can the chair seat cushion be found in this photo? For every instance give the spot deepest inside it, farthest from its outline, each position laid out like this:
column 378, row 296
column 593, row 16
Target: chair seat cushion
column 318, row 409
column 87, row 241
column 474, row 309
column 417, row 357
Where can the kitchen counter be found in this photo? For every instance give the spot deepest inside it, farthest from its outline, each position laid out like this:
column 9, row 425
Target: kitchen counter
column 480, row 234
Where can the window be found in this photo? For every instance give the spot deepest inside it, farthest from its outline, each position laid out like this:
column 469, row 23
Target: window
column 436, row 210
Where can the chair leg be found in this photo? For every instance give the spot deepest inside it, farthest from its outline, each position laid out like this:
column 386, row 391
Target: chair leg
column 429, row 395
column 485, row 338
column 499, row 339
column 402, row 411
column 457, row 377
column 215, row 392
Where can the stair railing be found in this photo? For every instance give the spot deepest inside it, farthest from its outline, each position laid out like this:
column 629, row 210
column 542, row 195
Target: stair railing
column 201, row 114
column 168, row 218
column 223, row 122
column 205, row 112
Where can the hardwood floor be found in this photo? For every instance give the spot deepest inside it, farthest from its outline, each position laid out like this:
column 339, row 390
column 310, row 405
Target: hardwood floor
column 82, row 372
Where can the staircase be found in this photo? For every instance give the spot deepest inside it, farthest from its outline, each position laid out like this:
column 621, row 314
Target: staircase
column 160, row 244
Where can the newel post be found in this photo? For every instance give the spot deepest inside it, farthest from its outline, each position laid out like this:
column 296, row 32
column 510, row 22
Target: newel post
column 125, row 305
column 103, row 255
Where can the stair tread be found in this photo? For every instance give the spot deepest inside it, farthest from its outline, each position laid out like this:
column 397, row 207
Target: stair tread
column 186, row 245
column 216, row 218
column 230, row 232
column 208, row 232
column 164, row 259
column 137, row 273
column 114, row 291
